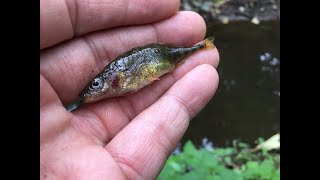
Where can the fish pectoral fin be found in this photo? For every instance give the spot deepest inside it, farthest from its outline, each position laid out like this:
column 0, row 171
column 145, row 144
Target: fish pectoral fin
column 153, row 79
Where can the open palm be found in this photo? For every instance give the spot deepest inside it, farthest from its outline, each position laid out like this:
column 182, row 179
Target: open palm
column 125, row 137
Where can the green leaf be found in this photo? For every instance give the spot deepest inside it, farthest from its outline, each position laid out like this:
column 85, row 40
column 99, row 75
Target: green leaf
column 243, row 145
column 227, row 160
column 214, row 164
column 251, row 170
column 207, row 160
column 276, row 175
column 193, row 175
column 229, row 174
column 223, row 151
column 175, row 166
column 189, row 148
column 266, row 169
column 252, row 165
column 213, row 177
column 190, row 154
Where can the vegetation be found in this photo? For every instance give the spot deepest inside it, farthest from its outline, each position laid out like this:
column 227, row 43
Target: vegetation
column 239, row 162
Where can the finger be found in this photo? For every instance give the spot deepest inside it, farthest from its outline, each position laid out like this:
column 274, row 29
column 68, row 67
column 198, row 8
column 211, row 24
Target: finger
column 62, row 19
column 50, row 104
column 70, row 66
column 142, row 147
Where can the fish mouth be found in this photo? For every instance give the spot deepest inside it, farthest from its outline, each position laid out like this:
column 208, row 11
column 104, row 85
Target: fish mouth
column 84, row 93
column 92, row 98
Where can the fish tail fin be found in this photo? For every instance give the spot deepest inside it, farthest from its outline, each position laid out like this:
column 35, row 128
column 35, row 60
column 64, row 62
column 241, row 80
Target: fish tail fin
column 208, row 43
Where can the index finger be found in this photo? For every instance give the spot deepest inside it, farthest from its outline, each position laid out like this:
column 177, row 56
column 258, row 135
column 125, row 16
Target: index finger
column 63, row 19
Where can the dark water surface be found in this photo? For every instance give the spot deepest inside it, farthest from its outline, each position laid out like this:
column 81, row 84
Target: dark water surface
column 247, row 103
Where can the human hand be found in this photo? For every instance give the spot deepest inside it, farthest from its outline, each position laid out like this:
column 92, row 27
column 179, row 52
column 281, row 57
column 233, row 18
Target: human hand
column 125, row 137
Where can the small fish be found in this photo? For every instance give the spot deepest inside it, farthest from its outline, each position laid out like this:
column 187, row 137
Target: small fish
column 136, row 69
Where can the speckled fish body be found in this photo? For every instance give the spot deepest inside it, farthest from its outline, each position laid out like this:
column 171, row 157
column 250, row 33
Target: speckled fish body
column 136, row 69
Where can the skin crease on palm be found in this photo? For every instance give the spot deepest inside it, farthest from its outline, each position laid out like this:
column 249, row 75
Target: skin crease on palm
column 126, row 137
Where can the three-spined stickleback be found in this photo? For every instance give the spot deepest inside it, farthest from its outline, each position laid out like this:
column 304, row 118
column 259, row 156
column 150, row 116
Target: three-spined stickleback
column 136, row 69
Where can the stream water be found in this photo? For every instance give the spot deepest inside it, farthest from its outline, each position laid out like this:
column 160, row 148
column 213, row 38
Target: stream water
column 247, row 103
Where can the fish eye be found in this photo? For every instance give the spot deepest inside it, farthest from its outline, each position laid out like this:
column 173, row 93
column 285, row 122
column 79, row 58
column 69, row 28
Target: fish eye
column 96, row 84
